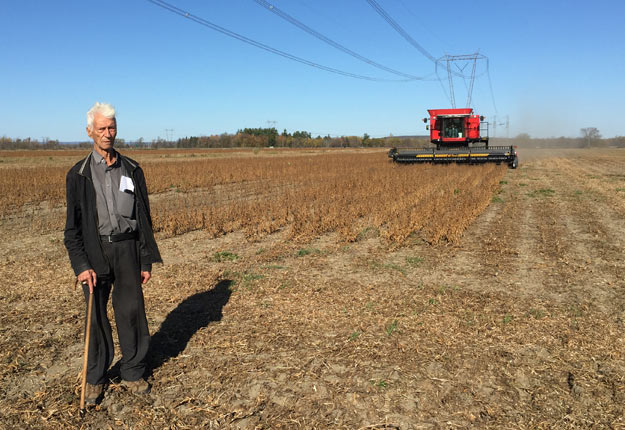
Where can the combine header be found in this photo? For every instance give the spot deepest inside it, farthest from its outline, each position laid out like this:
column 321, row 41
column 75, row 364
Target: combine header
column 460, row 137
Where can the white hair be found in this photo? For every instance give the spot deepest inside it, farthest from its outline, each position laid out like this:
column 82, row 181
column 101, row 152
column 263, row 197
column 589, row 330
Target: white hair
column 104, row 109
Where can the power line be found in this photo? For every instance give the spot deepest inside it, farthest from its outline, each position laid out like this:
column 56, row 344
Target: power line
column 270, row 7
column 421, row 23
column 461, row 74
column 260, row 45
column 490, row 85
column 374, row 4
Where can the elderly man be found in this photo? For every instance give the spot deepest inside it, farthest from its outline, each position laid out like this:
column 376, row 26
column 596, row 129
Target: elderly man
column 111, row 246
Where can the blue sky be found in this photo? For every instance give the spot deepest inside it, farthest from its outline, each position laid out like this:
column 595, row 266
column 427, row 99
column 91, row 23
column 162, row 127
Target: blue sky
column 555, row 66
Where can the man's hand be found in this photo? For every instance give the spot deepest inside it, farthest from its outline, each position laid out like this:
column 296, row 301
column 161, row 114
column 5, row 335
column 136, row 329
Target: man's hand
column 145, row 277
column 88, row 277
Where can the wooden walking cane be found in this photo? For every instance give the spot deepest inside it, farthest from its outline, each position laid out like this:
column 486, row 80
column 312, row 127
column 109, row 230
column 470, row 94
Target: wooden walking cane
column 83, row 383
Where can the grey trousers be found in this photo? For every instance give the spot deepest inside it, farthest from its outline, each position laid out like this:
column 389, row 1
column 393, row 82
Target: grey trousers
column 132, row 327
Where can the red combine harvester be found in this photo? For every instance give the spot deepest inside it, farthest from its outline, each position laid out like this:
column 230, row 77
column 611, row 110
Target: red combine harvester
column 460, row 137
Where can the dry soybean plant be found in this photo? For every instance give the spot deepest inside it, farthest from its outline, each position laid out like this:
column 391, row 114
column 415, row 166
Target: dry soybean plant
column 308, row 194
column 314, row 195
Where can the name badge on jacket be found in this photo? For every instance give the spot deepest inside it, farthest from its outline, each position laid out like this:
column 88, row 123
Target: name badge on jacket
column 126, row 185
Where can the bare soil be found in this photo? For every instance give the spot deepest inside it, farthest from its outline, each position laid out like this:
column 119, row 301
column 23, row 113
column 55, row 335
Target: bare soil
column 517, row 325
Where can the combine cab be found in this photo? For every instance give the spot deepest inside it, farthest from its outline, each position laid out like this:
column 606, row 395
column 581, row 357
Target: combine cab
column 460, row 137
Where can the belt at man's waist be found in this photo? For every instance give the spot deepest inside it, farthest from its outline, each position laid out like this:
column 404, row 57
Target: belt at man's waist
column 118, row 237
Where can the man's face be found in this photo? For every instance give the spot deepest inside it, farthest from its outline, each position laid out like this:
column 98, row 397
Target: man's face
column 103, row 132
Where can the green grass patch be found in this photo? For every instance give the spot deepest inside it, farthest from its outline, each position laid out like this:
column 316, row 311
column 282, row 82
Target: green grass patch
column 546, row 191
column 225, row 256
column 307, row 251
column 232, row 277
column 536, row 313
column 391, row 328
column 497, row 199
column 380, row 383
column 247, row 277
column 241, row 279
column 575, row 311
column 469, row 318
column 414, row 261
column 543, row 192
column 395, row 267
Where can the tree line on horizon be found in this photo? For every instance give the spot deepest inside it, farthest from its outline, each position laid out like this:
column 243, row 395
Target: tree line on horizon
column 270, row 137
column 243, row 138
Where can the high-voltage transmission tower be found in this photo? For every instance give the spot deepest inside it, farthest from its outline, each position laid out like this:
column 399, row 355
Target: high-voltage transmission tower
column 169, row 134
column 456, row 65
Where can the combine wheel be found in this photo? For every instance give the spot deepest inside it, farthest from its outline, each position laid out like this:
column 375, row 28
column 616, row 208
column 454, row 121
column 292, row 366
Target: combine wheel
column 515, row 163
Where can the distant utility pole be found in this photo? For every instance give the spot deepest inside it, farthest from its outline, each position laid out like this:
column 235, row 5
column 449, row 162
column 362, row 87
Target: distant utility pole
column 507, row 126
column 169, row 134
column 494, row 125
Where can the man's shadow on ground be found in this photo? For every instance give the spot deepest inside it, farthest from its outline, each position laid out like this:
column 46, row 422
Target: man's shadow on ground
column 193, row 313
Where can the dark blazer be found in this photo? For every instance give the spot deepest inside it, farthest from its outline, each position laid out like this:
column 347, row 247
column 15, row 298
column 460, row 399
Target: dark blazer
column 82, row 238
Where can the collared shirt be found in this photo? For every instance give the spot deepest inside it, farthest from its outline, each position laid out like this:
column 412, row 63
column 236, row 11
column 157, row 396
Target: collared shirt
column 116, row 207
